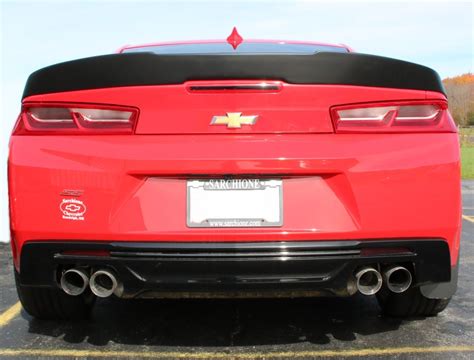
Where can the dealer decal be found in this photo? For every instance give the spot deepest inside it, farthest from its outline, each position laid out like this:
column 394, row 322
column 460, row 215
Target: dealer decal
column 73, row 209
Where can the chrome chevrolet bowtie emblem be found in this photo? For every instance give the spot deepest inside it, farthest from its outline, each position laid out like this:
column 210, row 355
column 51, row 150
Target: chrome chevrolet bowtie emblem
column 234, row 120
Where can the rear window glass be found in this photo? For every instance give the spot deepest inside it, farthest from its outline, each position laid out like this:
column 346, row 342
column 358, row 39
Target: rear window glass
column 244, row 48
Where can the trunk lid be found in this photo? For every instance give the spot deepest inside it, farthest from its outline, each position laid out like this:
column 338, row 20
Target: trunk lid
column 255, row 107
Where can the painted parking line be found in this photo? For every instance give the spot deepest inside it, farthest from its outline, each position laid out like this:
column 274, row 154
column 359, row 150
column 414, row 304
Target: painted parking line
column 222, row 355
column 9, row 314
column 468, row 218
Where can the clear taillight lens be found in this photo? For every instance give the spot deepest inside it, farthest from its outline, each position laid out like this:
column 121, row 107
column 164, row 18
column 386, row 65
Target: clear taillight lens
column 60, row 119
column 103, row 119
column 393, row 117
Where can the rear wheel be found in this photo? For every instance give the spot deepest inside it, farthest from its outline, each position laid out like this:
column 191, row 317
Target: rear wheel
column 409, row 303
column 53, row 304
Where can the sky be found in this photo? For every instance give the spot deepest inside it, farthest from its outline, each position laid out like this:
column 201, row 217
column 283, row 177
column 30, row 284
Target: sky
column 35, row 34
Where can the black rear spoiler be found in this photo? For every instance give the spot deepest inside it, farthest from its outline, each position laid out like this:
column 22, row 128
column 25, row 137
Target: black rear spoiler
column 150, row 69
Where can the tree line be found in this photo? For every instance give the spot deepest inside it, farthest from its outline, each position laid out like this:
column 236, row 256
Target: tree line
column 460, row 90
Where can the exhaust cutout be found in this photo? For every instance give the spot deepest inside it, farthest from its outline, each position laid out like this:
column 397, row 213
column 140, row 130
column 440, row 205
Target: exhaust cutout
column 398, row 279
column 103, row 283
column 74, row 281
column 368, row 281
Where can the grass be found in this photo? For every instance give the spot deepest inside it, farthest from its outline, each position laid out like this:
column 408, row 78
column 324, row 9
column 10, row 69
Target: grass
column 467, row 152
column 467, row 162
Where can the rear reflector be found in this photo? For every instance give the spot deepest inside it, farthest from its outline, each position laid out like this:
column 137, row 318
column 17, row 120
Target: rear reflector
column 87, row 252
column 75, row 119
column 393, row 117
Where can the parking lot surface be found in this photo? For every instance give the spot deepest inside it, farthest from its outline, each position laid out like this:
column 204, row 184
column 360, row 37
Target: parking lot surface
column 246, row 329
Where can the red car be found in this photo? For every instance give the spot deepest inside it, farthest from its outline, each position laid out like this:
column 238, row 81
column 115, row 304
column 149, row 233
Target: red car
column 234, row 169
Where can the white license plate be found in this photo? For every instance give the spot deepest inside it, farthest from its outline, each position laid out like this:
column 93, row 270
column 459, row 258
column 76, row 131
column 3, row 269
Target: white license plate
column 234, row 203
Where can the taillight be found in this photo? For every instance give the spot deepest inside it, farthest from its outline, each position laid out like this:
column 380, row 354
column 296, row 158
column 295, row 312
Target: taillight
column 75, row 119
column 426, row 116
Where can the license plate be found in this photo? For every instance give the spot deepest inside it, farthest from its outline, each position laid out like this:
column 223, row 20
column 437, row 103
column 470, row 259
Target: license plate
column 234, row 203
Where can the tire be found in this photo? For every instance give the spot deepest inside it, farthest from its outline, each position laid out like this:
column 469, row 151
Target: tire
column 52, row 303
column 411, row 303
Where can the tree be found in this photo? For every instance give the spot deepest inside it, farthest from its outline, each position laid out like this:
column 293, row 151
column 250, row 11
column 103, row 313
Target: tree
column 460, row 90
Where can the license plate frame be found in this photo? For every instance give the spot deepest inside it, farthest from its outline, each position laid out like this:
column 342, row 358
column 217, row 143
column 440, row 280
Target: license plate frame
column 262, row 194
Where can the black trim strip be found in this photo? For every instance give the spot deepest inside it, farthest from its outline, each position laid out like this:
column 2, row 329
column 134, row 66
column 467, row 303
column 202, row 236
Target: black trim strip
column 233, row 254
column 231, row 245
column 137, row 69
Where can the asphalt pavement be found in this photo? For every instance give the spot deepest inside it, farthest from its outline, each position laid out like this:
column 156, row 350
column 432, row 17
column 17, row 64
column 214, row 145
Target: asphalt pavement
column 246, row 329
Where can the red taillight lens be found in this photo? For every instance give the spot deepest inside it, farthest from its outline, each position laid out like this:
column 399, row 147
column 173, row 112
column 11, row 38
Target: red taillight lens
column 393, row 117
column 75, row 119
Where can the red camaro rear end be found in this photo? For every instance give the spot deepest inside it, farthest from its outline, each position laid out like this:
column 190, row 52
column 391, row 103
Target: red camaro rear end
column 234, row 169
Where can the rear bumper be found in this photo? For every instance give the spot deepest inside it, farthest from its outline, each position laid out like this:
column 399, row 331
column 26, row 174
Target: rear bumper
column 335, row 186
column 301, row 268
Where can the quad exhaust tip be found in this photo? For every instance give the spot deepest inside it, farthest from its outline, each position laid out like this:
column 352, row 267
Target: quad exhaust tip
column 74, row 281
column 397, row 278
column 103, row 283
column 368, row 281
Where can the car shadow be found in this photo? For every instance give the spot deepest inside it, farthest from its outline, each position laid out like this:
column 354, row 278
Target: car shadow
column 222, row 323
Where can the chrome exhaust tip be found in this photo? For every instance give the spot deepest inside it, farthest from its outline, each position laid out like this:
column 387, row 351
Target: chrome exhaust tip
column 103, row 283
column 74, row 281
column 368, row 281
column 398, row 278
